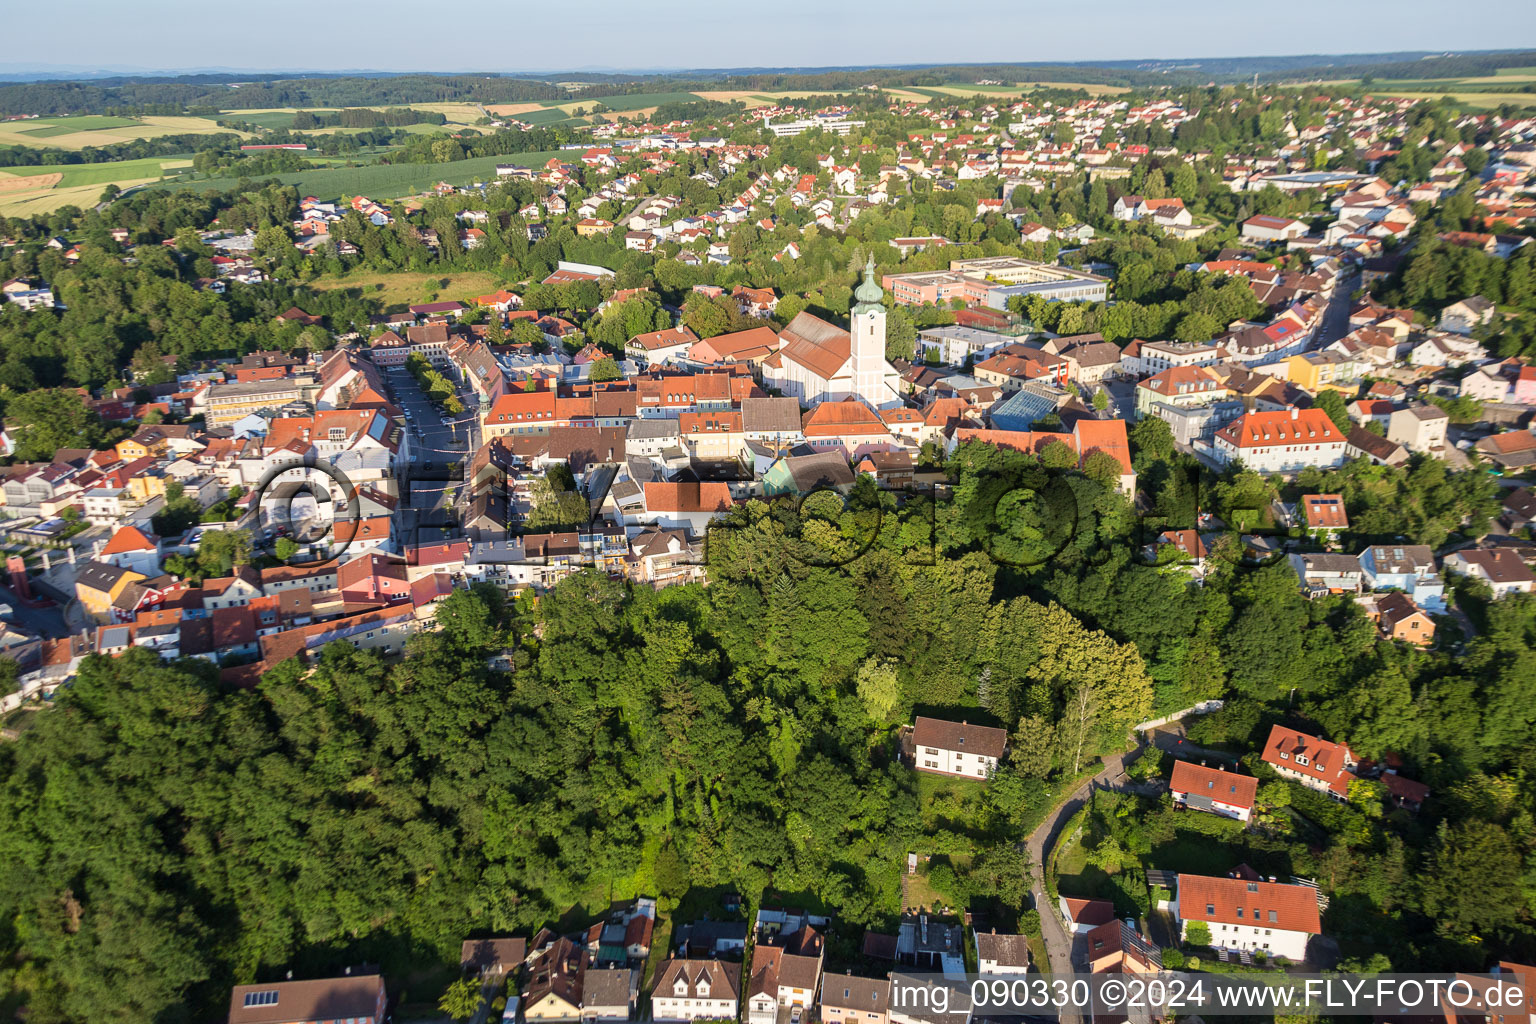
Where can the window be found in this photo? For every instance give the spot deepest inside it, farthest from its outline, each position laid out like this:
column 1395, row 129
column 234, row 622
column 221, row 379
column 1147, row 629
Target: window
column 267, row 998
column 1273, row 919
column 1210, row 908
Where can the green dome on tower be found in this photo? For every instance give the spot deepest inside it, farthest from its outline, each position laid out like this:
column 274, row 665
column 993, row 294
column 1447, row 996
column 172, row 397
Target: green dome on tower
column 869, row 293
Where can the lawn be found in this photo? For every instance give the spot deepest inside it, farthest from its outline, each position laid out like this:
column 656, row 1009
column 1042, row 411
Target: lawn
column 87, row 122
column 399, row 289
column 383, row 181
column 949, row 802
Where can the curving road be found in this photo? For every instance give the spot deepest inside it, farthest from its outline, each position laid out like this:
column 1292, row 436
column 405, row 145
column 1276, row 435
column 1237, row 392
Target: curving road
column 1058, row 943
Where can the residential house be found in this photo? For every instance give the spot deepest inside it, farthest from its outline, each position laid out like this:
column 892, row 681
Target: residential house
column 1419, row 428
column 1406, row 567
column 492, row 959
column 610, row 995
column 1116, row 947
column 786, row 972
column 1513, row 449
column 846, row 999
column 1466, row 316
column 1501, row 568
column 1276, row 919
column 1280, row 442
column 1323, row 513
column 1214, row 790
column 1401, row 619
column 1001, row 954
column 554, row 989
column 1316, row 763
column 1083, row 916
column 98, row 585
column 687, row 990
column 955, row 748
column 357, row 997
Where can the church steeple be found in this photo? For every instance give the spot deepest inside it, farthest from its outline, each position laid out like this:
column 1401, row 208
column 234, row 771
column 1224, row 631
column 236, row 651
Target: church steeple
column 869, row 293
column 866, row 330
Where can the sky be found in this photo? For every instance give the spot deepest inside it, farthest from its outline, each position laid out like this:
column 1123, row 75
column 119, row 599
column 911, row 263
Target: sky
column 519, row 35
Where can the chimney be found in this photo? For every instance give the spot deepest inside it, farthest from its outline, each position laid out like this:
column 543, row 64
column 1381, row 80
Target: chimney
column 1295, row 412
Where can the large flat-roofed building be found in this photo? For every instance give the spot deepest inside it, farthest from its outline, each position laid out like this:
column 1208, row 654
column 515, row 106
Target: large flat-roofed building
column 835, row 125
column 231, row 403
column 992, row 281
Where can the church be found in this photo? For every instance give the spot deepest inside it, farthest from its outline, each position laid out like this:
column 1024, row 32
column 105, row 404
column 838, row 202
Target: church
column 821, row 362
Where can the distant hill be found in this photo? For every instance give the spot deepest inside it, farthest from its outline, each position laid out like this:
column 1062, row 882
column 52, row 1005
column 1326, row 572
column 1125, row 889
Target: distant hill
column 48, row 95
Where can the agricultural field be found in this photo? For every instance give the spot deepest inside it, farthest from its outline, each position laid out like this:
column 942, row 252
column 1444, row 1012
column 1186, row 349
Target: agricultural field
column 1466, row 98
column 382, row 181
column 92, row 130
column 404, row 288
column 1483, row 91
column 43, row 188
column 623, row 104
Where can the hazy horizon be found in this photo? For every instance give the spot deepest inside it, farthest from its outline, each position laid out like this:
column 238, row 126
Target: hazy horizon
column 178, row 36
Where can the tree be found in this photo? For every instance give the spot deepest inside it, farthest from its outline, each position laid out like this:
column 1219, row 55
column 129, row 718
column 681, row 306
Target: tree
column 461, row 1000
column 285, row 548
column 1103, row 468
column 220, row 551
column 10, row 675
column 1100, row 400
column 1197, row 933
column 879, row 688
column 1332, row 403
column 605, row 369
column 556, row 505
column 42, row 422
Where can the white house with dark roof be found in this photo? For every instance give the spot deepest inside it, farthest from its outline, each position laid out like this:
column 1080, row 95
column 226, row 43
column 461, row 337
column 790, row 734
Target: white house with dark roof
column 956, row 748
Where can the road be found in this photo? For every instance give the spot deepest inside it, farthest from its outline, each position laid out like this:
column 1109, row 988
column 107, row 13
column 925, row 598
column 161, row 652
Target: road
column 1336, row 317
column 1058, row 943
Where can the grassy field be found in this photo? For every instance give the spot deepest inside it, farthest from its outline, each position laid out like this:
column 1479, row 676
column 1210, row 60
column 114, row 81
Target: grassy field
column 43, row 188
column 405, row 288
column 383, row 181
column 90, row 130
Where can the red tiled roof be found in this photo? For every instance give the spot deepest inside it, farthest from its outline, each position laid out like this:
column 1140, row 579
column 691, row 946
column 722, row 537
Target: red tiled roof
column 663, row 496
column 1221, row 786
column 1325, row 761
column 1279, row 429
column 1234, row 901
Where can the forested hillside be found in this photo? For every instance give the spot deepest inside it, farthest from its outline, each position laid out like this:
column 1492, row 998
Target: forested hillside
column 165, row 837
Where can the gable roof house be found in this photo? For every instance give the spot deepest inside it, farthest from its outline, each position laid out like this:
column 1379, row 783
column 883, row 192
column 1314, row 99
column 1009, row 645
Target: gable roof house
column 1316, row 763
column 555, row 975
column 1213, row 789
column 688, row 990
column 955, row 748
column 359, row 997
column 846, row 999
column 1501, row 568
column 1276, row 919
column 1001, row 954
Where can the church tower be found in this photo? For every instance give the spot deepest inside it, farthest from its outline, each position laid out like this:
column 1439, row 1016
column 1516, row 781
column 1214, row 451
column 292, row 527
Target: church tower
column 866, row 329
